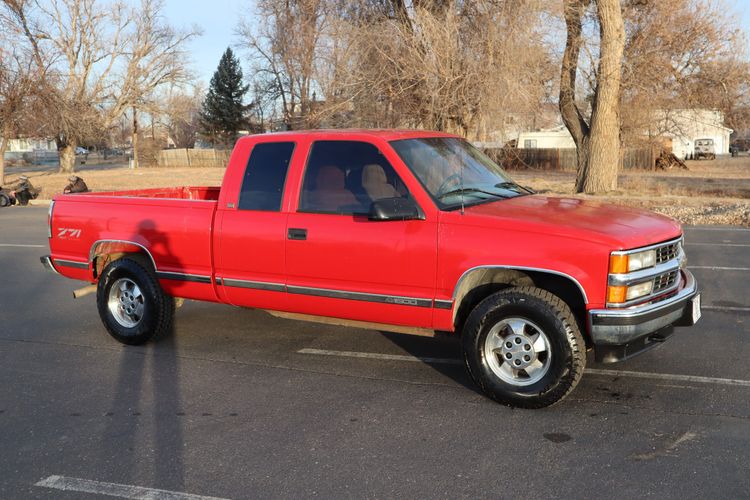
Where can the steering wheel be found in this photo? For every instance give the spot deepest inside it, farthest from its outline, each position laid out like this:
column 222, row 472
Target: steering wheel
column 453, row 178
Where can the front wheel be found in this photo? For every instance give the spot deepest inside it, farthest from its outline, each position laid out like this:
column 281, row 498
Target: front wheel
column 131, row 303
column 523, row 348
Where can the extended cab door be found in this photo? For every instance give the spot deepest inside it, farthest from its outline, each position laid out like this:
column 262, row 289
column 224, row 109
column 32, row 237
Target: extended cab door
column 340, row 263
column 250, row 232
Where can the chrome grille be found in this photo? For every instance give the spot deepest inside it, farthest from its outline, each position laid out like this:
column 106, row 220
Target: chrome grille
column 665, row 281
column 667, row 252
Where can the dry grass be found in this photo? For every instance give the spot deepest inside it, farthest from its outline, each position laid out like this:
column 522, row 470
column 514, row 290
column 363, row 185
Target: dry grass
column 120, row 178
column 710, row 192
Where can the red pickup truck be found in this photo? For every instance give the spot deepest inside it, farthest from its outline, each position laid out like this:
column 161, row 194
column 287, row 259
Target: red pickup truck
column 407, row 231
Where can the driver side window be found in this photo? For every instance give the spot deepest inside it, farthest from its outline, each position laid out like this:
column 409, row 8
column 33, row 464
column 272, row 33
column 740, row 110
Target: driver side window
column 345, row 177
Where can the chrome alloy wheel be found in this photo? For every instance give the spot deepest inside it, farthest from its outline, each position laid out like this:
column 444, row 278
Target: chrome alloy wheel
column 517, row 351
column 125, row 302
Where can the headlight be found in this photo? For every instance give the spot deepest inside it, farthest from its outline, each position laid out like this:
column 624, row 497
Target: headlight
column 621, row 264
column 620, row 294
column 639, row 290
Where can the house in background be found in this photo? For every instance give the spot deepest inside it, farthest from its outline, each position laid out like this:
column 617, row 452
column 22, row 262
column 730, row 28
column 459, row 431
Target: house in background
column 499, row 131
column 33, row 147
column 682, row 126
column 685, row 126
column 553, row 138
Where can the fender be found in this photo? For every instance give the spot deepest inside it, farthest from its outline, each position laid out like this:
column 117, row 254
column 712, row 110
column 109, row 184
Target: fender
column 459, row 293
column 119, row 246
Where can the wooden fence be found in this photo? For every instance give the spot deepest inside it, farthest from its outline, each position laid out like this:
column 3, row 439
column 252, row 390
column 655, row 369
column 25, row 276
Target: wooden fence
column 218, row 158
column 565, row 159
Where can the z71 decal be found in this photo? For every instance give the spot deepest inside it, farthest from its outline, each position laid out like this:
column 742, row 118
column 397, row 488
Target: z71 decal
column 66, row 233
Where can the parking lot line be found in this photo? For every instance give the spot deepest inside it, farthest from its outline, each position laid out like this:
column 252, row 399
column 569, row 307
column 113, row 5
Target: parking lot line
column 670, row 376
column 736, row 229
column 688, row 244
column 593, row 371
column 115, row 490
column 21, row 246
column 725, row 308
column 719, row 268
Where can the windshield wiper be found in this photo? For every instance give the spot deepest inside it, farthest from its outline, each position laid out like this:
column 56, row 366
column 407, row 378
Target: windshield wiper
column 468, row 190
column 506, row 185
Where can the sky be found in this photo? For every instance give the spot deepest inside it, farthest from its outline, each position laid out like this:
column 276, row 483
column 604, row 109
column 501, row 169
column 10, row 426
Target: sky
column 217, row 19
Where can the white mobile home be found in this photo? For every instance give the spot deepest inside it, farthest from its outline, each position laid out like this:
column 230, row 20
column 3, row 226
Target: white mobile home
column 553, row 138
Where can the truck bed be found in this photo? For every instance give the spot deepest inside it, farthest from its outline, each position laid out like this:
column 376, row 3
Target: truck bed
column 202, row 193
column 173, row 224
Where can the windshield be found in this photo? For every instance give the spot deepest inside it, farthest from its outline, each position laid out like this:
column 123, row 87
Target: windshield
column 455, row 173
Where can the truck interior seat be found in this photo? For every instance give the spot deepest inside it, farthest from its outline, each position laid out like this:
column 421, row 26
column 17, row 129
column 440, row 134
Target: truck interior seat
column 376, row 184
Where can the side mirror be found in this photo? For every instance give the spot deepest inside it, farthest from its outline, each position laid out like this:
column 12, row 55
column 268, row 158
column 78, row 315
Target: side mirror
column 394, row 209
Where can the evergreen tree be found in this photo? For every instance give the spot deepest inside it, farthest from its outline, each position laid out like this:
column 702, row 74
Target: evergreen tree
column 223, row 113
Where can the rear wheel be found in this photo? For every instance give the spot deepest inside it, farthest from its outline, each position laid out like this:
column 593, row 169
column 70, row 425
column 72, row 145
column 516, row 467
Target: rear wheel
column 4, row 200
column 523, row 348
column 131, row 303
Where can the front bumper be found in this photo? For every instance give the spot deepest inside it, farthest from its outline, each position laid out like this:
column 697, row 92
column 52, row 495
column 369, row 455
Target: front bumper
column 618, row 334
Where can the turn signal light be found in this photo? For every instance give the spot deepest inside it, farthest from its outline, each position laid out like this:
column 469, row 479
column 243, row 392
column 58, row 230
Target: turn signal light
column 616, row 294
column 618, row 264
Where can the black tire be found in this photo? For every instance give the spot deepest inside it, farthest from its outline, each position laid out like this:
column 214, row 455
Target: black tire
column 561, row 354
column 156, row 309
column 4, row 200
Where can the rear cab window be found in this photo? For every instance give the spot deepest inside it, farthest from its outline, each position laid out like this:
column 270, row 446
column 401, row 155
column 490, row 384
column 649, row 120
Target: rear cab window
column 265, row 176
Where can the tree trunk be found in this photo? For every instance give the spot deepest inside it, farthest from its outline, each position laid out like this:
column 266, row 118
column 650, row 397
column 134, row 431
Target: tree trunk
column 597, row 142
column 571, row 114
column 68, row 157
column 134, row 139
column 604, row 153
column 3, row 147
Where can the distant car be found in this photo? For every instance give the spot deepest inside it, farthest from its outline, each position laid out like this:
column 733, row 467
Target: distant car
column 81, row 151
column 734, row 150
column 704, row 148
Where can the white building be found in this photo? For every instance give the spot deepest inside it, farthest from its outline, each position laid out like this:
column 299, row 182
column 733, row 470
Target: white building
column 553, row 138
column 32, row 147
column 683, row 126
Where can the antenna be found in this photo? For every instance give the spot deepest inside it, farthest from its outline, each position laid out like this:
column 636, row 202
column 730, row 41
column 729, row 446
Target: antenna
column 461, row 175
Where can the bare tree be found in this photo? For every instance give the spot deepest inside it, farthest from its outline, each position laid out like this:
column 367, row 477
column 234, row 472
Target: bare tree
column 18, row 93
column 155, row 57
column 285, row 64
column 452, row 65
column 447, row 65
column 680, row 54
column 181, row 115
column 597, row 135
column 98, row 60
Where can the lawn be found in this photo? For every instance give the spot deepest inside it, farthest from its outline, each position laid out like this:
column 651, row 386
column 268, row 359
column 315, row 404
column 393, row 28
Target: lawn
column 709, row 192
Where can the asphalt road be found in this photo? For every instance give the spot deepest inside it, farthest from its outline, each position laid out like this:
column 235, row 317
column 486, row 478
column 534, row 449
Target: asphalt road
column 229, row 407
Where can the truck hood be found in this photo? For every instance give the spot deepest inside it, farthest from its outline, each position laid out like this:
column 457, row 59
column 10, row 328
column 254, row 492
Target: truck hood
column 618, row 227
